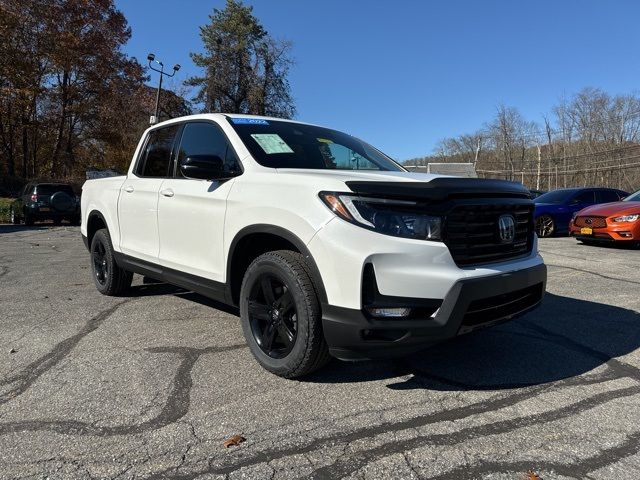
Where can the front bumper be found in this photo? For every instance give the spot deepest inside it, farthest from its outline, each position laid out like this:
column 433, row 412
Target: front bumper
column 611, row 233
column 470, row 304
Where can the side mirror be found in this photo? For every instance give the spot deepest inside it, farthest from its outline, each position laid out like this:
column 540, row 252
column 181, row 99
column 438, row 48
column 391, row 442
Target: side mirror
column 203, row 167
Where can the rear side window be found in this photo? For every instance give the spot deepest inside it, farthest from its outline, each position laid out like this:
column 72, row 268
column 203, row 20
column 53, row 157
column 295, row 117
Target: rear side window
column 606, row 196
column 585, row 197
column 155, row 161
column 205, row 138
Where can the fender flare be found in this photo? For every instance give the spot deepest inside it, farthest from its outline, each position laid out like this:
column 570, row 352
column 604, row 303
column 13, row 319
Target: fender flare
column 288, row 236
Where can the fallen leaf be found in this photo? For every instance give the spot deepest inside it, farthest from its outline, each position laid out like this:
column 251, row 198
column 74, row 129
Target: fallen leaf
column 531, row 475
column 13, row 350
column 233, row 441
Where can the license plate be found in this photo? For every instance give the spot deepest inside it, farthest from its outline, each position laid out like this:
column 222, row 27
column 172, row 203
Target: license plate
column 586, row 231
column 44, row 209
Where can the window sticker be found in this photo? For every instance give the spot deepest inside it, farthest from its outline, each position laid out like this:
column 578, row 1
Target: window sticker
column 271, row 143
column 249, row 121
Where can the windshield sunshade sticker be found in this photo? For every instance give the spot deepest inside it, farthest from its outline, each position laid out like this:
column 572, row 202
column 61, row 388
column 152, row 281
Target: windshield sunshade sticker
column 249, row 121
column 271, row 143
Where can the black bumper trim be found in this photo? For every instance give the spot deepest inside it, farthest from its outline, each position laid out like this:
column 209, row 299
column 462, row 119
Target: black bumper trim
column 353, row 336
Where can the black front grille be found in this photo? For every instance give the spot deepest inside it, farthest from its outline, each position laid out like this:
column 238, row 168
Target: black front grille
column 472, row 233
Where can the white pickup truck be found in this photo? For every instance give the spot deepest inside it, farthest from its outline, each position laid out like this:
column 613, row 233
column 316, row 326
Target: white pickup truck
column 327, row 246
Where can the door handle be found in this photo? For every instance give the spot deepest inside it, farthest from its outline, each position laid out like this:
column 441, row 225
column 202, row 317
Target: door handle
column 167, row 192
column 128, row 189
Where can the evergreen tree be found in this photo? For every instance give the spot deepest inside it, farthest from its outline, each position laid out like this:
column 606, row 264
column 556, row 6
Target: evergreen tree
column 245, row 69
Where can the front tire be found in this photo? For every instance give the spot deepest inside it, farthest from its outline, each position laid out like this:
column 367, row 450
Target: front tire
column 545, row 226
column 280, row 315
column 108, row 277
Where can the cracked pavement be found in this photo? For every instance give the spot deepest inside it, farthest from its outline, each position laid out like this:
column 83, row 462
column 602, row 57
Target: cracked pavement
column 150, row 385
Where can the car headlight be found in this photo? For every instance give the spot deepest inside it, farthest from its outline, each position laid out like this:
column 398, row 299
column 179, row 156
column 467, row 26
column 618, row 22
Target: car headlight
column 626, row 218
column 399, row 218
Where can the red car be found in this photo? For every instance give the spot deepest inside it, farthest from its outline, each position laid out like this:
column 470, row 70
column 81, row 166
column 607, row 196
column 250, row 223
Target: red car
column 609, row 222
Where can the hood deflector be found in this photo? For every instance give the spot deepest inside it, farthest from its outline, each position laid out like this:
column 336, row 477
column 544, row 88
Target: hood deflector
column 442, row 188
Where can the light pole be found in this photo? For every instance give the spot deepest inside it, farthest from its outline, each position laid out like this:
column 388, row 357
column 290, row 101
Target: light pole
column 152, row 58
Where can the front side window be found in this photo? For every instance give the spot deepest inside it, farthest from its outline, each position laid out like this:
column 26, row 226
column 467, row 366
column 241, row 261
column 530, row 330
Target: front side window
column 204, row 139
column 279, row 144
column 155, row 161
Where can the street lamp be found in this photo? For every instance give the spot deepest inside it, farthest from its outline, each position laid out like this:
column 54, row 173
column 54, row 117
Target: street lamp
column 152, row 58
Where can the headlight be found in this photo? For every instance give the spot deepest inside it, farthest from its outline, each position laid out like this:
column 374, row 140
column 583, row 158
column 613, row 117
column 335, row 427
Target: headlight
column 626, row 218
column 399, row 218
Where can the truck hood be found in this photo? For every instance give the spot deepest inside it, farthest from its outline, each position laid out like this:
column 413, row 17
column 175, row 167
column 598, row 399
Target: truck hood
column 408, row 185
column 610, row 209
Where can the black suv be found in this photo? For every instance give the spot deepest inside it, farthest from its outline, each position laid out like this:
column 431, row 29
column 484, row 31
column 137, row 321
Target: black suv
column 46, row 201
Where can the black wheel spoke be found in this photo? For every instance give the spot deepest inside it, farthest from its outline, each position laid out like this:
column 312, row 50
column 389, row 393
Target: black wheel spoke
column 259, row 310
column 267, row 289
column 285, row 301
column 286, row 335
column 268, row 336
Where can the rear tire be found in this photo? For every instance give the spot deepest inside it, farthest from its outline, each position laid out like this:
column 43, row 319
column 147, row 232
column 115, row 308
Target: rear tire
column 280, row 315
column 108, row 277
column 545, row 226
column 28, row 219
column 75, row 220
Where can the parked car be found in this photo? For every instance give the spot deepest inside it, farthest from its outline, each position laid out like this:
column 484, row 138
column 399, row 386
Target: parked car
column 328, row 246
column 610, row 222
column 555, row 209
column 46, row 201
column 536, row 193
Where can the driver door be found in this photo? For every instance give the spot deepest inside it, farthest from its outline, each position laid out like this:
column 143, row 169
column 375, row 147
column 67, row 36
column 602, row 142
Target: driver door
column 191, row 212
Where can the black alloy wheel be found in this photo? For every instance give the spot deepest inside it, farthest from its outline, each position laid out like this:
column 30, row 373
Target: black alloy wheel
column 108, row 277
column 100, row 265
column 281, row 316
column 273, row 316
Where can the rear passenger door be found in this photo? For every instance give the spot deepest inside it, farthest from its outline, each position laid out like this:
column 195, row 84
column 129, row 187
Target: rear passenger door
column 191, row 212
column 138, row 201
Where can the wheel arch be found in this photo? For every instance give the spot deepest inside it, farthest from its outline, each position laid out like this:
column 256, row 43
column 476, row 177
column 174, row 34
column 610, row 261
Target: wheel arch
column 95, row 221
column 254, row 240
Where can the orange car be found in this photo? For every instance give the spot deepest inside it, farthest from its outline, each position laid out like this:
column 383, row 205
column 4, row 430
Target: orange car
column 609, row 222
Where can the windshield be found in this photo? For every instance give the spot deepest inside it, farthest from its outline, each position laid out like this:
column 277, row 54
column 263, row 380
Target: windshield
column 557, row 196
column 279, row 144
column 634, row 197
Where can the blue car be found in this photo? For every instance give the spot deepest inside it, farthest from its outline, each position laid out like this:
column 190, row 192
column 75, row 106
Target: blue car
column 555, row 209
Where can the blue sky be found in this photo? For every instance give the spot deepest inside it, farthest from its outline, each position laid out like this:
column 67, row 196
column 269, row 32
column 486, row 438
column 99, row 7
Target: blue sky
column 403, row 74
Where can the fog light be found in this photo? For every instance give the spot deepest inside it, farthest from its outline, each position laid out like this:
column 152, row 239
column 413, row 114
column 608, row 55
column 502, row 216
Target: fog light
column 389, row 312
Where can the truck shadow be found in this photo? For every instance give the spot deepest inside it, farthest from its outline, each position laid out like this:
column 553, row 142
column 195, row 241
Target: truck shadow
column 564, row 338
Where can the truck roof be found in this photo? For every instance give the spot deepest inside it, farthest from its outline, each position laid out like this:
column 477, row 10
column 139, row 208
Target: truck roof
column 220, row 116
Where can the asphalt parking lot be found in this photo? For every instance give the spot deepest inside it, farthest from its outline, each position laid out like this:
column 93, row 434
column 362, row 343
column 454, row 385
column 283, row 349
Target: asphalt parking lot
column 151, row 385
